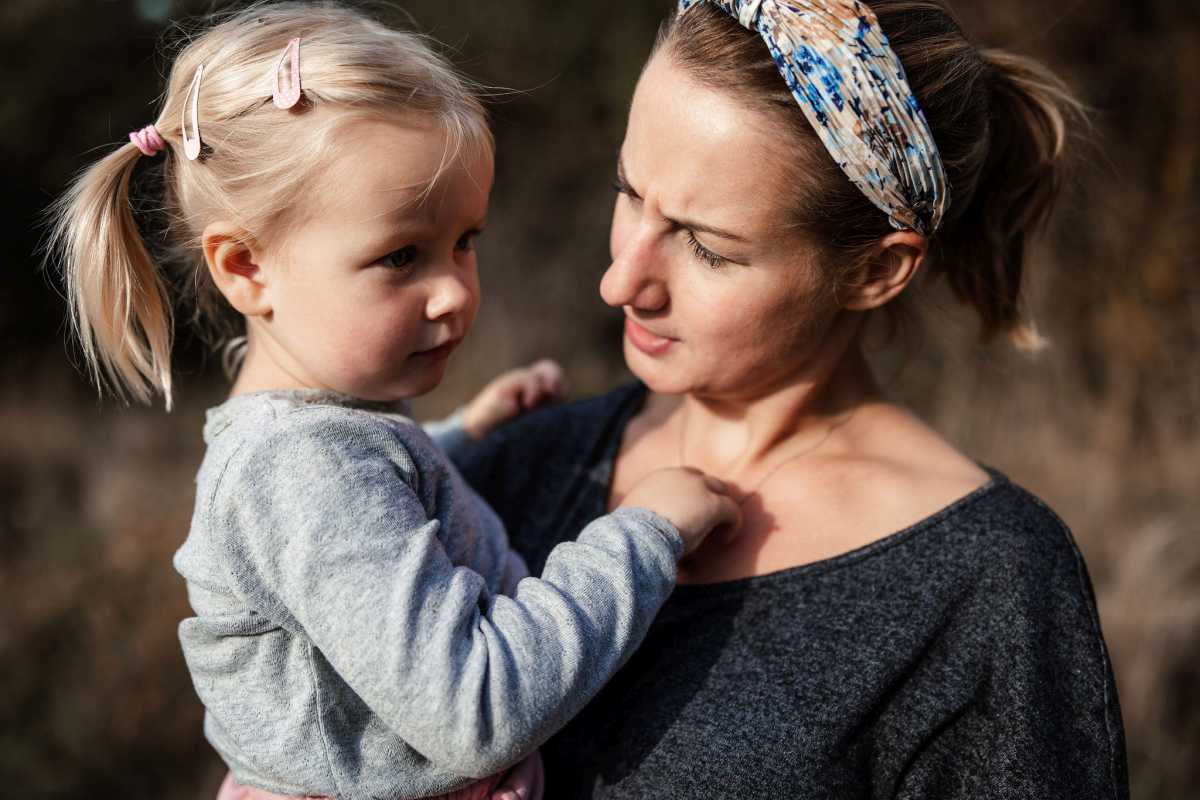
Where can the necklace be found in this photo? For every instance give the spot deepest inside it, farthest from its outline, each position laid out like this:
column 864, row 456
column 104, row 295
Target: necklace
column 837, row 423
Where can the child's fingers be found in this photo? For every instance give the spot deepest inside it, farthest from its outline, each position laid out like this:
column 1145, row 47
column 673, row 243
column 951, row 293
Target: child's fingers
column 729, row 513
column 550, row 376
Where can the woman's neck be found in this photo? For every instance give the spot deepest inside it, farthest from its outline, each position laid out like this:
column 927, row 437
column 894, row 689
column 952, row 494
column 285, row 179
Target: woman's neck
column 739, row 437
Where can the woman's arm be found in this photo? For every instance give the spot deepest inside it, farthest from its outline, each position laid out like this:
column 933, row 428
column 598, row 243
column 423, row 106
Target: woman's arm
column 1042, row 719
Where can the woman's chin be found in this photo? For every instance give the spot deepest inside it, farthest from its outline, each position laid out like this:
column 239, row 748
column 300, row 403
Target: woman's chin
column 659, row 375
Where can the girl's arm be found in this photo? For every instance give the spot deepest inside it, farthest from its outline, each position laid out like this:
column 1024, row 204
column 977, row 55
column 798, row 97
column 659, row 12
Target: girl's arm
column 505, row 398
column 325, row 530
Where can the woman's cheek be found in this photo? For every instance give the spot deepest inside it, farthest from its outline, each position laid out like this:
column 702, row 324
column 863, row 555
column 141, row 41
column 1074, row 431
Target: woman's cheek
column 623, row 220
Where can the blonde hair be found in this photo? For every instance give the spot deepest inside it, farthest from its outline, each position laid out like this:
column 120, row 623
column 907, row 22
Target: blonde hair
column 255, row 164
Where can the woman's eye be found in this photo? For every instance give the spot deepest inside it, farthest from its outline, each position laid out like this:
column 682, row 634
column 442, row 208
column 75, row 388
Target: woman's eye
column 704, row 254
column 621, row 186
column 400, row 259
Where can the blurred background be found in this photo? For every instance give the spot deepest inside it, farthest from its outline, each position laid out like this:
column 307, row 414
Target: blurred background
column 96, row 496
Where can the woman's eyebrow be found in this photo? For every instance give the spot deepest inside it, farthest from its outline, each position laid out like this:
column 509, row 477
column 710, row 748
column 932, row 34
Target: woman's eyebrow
column 692, row 225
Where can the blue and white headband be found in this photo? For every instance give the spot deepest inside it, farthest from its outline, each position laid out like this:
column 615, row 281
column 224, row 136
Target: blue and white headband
column 852, row 88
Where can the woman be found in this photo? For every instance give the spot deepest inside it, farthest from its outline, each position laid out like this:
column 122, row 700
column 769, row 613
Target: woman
column 892, row 619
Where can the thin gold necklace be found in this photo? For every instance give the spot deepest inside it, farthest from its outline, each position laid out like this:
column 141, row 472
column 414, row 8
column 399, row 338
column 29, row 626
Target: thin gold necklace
column 838, row 423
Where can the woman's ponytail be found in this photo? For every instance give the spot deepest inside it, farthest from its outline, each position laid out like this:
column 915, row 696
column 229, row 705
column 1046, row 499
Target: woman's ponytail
column 1031, row 118
column 119, row 307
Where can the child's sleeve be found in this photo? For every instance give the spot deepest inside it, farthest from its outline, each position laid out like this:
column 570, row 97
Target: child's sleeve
column 324, row 533
column 450, row 434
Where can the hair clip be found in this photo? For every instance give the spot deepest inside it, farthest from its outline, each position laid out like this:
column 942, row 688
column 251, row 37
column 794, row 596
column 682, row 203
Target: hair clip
column 286, row 97
column 191, row 146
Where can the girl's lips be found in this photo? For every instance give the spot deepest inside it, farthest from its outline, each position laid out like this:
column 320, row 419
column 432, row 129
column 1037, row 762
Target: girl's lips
column 649, row 343
column 439, row 353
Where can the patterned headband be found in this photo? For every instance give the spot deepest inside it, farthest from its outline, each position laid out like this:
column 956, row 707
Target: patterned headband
column 852, row 88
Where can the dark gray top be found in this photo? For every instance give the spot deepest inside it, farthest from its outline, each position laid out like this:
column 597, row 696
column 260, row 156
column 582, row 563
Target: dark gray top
column 960, row 657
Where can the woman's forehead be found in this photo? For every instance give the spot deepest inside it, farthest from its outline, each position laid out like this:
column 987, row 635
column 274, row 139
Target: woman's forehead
column 702, row 153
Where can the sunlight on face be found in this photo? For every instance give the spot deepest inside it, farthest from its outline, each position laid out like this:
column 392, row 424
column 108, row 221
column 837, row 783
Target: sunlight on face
column 718, row 290
column 371, row 293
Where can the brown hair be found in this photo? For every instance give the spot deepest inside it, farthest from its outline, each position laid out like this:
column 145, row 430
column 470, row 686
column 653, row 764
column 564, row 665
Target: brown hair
column 256, row 164
column 1001, row 123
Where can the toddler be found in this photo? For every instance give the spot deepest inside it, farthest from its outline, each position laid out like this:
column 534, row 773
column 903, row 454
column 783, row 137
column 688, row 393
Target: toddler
column 361, row 628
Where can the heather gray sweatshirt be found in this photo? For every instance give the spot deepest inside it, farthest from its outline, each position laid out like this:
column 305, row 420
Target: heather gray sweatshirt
column 362, row 629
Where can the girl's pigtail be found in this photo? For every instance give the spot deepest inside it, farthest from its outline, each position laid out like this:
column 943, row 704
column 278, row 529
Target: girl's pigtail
column 1032, row 117
column 119, row 307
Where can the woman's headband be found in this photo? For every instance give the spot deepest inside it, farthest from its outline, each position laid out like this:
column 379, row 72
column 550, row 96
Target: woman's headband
column 852, row 88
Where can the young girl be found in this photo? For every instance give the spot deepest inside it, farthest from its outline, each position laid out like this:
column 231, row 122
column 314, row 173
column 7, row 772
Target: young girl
column 361, row 628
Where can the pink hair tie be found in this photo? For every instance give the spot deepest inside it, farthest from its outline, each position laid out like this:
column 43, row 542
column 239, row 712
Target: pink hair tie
column 148, row 141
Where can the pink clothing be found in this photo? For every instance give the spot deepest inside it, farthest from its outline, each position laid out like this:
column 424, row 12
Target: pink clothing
column 232, row 790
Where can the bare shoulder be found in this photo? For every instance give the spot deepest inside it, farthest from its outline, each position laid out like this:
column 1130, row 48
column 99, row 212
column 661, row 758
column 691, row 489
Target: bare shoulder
column 897, row 470
column 891, row 473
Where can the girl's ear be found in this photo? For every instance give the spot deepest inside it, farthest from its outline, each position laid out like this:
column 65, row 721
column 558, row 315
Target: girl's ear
column 234, row 267
column 893, row 264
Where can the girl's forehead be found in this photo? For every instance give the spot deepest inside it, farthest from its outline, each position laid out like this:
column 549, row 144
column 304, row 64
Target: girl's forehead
column 395, row 169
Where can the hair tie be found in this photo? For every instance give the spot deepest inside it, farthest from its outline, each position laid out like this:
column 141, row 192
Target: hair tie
column 148, row 140
column 851, row 86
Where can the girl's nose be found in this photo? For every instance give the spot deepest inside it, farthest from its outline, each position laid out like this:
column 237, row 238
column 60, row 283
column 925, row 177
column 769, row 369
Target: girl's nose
column 453, row 290
column 636, row 276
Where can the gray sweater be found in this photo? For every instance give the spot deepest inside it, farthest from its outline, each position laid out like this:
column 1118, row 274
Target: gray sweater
column 362, row 629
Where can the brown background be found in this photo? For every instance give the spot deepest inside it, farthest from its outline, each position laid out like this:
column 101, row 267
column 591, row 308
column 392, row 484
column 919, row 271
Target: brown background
column 95, row 497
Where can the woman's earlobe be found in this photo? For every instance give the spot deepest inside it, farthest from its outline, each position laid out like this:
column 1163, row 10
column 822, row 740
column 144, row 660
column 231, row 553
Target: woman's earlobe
column 233, row 265
column 893, row 265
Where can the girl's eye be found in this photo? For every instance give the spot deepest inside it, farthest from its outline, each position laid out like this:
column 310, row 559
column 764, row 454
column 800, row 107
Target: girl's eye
column 400, row 259
column 467, row 241
column 704, row 254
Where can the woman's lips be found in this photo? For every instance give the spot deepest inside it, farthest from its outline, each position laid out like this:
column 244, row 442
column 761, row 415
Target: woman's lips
column 649, row 343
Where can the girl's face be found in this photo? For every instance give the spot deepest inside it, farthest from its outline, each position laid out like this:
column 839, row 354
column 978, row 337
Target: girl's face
column 371, row 294
column 718, row 292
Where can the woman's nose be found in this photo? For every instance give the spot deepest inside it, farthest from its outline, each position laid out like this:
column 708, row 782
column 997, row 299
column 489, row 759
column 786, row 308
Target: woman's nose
column 635, row 277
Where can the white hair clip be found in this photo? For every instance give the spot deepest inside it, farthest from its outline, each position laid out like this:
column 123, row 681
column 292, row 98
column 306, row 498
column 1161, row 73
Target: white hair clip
column 191, row 146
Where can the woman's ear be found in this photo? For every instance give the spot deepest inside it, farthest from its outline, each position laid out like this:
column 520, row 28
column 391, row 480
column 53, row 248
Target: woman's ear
column 229, row 253
column 892, row 265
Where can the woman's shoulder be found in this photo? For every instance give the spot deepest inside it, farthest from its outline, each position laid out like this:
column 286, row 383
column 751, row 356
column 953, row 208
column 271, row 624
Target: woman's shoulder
column 1011, row 530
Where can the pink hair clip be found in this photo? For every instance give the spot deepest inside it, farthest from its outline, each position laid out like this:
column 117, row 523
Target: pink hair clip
column 287, row 96
column 191, row 146
column 148, row 140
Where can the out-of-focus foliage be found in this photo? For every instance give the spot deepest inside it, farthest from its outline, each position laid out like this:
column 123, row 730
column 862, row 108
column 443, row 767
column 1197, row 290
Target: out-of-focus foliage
column 94, row 697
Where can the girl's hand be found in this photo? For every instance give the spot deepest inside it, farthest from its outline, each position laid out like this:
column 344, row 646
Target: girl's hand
column 526, row 781
column 694, row 502
column 513, row 393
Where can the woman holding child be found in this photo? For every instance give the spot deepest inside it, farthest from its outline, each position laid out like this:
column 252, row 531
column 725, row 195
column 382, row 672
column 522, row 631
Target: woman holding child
column 884, row 617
